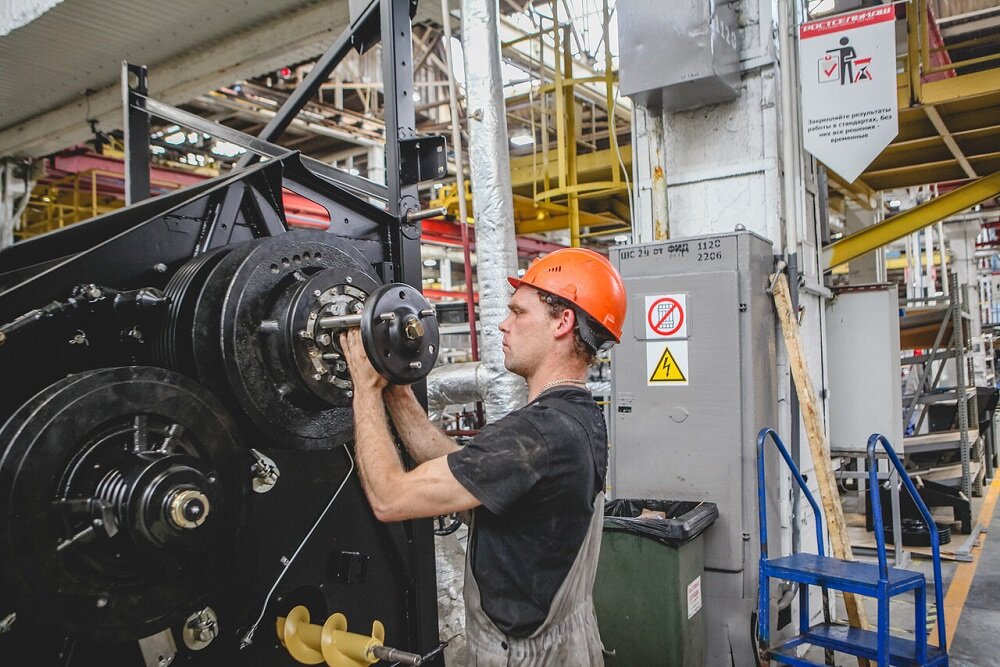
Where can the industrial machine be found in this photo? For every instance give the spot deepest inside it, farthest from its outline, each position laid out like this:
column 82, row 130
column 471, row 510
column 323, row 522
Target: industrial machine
column 176, row 465
column 694, row 381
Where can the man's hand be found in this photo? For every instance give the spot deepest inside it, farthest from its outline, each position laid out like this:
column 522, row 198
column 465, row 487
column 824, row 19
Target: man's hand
column 363, row 374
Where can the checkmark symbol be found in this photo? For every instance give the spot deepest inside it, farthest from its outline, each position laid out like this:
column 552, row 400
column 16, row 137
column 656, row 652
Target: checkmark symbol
column 828, row 72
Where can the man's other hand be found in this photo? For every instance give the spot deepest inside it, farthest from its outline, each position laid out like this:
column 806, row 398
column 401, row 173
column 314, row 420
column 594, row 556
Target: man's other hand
column 363, row 374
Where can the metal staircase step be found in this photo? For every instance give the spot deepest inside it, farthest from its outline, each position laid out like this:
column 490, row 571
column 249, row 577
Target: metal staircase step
column 849, row 576
column 857, row 642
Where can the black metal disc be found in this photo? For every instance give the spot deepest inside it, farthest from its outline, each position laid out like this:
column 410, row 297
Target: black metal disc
column 89, row 467
column 248, row 298
column 400, row 332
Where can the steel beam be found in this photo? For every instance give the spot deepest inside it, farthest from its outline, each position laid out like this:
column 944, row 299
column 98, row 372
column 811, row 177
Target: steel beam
column 859, row 191
column 356, row 184
column 928, row 213
column 305, row 91
column 135, row 86
column 949, row 141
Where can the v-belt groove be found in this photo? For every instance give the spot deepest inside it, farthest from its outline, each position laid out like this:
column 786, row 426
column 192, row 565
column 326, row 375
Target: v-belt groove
column 903, row 224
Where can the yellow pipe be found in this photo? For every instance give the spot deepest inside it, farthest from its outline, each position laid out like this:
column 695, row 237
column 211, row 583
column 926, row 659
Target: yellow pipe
column 898, row 226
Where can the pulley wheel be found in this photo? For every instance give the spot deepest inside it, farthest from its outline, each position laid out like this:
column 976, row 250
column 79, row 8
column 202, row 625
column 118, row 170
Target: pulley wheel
column 400, row 331
column 122, row 493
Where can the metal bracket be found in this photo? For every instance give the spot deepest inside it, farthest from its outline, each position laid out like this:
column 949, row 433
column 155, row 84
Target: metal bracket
column 422, row 159
column 158, row 650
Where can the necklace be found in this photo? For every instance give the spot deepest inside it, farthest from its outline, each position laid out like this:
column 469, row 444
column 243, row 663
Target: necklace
column 549, row 385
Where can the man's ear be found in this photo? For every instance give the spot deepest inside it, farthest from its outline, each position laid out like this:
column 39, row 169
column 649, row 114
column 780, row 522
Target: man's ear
column 566, row 323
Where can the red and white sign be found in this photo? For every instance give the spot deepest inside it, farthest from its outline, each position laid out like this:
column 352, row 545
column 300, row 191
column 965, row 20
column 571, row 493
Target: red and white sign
column 666, row 316
column 847, row 69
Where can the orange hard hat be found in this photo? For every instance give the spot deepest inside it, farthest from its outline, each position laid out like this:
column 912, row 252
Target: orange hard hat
column 584, row 278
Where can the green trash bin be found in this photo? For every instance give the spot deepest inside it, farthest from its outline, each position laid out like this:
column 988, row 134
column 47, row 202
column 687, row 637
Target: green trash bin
column 647, row 593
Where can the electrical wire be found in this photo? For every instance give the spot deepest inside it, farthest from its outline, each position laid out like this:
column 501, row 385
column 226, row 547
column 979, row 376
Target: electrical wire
column 247, row 639
column 628, row 184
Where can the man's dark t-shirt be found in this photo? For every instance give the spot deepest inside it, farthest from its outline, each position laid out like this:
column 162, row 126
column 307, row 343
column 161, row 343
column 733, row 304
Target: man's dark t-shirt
column 536, row 473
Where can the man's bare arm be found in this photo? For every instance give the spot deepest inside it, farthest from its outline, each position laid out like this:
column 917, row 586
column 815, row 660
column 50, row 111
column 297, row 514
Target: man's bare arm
column 423, row 440
column 428, row 490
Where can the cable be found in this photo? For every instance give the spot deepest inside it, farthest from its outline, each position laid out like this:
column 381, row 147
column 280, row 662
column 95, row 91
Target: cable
column 248, row 637
column 628, row 185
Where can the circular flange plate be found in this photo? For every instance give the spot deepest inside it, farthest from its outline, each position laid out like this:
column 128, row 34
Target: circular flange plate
column 400, row 331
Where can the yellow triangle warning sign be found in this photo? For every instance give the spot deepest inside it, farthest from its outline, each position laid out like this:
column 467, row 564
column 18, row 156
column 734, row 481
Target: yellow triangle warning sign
column 667, row 369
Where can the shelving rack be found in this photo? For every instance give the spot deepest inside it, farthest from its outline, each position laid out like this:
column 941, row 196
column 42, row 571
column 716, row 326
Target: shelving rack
column 956, row 347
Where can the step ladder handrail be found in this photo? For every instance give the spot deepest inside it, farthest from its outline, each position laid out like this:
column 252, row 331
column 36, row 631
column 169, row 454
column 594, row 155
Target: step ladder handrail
column 876, row 501
column 761, row 501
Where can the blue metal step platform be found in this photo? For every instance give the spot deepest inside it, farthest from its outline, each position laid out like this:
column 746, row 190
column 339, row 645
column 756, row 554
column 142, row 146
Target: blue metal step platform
column 878, row 581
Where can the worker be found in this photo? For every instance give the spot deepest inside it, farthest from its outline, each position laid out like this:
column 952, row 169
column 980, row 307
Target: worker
column 535, row 478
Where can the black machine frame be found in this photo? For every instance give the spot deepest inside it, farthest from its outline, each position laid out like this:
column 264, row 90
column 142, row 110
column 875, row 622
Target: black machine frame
column 142, row 246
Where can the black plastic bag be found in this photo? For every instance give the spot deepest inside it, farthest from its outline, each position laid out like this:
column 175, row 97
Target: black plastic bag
column 683, row 520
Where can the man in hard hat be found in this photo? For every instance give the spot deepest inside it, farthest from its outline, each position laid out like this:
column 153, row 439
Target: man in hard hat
column 535, row 479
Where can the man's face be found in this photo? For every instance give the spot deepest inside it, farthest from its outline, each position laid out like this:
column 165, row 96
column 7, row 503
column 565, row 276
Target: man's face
column 527, row 331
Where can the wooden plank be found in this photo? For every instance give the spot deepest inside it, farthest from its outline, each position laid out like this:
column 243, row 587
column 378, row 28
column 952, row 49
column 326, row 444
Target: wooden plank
column 840, row 542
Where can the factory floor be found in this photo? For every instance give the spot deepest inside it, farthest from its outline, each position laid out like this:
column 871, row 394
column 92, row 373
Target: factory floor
column 971, row 595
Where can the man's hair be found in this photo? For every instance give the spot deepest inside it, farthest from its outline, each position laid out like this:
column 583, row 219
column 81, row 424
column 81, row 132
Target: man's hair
column 556, row 305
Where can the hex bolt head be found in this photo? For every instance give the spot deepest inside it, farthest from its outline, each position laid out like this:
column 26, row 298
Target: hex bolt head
column 414, row 328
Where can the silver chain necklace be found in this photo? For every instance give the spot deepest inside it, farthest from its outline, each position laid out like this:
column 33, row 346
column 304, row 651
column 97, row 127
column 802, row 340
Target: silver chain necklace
column 549, row 385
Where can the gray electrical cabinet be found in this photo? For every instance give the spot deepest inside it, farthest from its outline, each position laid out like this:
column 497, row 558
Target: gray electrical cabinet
column 862, row 332
column 678, row 55
column 693, row 382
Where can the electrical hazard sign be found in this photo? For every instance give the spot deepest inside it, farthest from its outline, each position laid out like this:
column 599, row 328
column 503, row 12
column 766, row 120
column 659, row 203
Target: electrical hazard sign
column 666, row 316
column 667, row 364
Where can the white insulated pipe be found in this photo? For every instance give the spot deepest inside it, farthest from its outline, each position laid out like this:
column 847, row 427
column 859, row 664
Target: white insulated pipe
column 489, row 161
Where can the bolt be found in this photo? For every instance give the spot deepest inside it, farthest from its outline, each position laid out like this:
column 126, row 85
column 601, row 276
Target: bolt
column 331, row 356
column 349, row 279
column 414, row 328
column 387, row 317
column 304, row 334
column 316, row 292
column 160, row 268
column 102, row 602
column 350, row 394
column 94, row 292
column 317, row 376
column 325, row 339
column 416, row 365
column 427, row 312
column 358, row 307
column 284, row 560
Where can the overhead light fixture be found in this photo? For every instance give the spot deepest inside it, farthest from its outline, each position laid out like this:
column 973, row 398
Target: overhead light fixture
column 895, row 203
column 522, row 139
column 430, row 262
column 175, row 138
column 621, row 239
